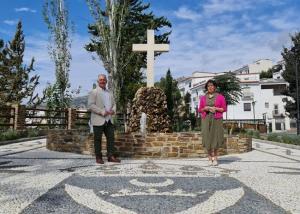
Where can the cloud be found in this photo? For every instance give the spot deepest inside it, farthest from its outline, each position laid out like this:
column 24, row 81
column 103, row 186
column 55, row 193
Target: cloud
column 10, row 22
column 213, row 7
column 228, row 35
column 25, row 9
column 83, row 71
column 185, row 13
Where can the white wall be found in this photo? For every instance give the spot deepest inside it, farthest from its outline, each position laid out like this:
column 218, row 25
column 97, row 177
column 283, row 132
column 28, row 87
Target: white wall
column 185, row 86
column 248, row 77
column 260, row 65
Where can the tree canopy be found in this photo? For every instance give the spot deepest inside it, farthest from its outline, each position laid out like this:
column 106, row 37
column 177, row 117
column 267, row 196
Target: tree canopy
column 291, row 58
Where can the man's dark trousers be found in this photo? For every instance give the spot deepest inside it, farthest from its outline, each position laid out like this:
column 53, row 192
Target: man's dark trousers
column 108, row 129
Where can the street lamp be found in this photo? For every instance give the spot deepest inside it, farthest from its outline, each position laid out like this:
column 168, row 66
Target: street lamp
column 295, row 50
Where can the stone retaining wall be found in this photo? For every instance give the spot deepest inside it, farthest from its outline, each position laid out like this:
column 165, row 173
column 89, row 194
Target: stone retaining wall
column 153, row 145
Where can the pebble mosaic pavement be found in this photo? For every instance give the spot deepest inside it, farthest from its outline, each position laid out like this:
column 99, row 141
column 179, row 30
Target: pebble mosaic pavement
column 35, row 180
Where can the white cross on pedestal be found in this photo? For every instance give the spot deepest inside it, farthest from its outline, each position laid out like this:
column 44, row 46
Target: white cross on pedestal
column 151, row 48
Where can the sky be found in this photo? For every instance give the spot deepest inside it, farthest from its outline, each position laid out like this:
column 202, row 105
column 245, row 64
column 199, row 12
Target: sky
column 207, row 35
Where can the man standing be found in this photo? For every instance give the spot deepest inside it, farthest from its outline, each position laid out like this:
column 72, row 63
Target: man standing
column 102, row 107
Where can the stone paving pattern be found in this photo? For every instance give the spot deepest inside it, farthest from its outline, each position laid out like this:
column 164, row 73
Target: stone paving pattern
column 36, row 180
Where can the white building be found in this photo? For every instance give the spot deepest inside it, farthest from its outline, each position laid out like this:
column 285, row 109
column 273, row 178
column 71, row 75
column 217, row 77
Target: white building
column 261, row 98
column 255, row 67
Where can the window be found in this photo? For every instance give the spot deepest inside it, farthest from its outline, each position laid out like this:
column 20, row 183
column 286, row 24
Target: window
column 190, row 84
column 266, row 105
column 247, row 106
column 278, row 126
column 276, row 109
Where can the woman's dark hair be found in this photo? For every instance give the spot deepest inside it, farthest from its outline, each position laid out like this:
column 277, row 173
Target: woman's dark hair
column 212, row 82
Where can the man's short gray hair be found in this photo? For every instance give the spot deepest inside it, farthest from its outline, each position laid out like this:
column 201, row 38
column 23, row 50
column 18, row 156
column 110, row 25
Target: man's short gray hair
column 103, row 75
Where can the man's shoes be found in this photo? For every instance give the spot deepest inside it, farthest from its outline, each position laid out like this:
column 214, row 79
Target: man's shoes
column 113, row 159
column 99, row 159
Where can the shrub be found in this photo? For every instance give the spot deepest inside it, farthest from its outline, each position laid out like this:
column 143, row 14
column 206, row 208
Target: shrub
column 243, row 131
column 256, row 134
column 33, row 133
column 12, row 134
column 284, row 138
column 290, row 139
column 249, row 132
column 236, row 130
column 273, row 137
column 9, row 135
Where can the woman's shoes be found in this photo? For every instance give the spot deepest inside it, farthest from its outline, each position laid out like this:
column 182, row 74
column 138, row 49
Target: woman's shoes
column 210, row 162
column 214, row 161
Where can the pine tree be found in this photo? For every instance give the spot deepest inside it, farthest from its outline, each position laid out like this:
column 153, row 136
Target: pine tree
column 16, row 83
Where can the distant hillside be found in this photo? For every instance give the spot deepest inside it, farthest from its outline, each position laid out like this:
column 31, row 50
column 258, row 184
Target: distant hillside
column 80, row 102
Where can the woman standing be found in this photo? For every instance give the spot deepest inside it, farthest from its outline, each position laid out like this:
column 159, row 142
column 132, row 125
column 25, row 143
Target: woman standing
column 212, row 105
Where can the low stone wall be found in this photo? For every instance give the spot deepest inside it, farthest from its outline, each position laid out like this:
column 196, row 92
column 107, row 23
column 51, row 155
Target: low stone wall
column 153, row 145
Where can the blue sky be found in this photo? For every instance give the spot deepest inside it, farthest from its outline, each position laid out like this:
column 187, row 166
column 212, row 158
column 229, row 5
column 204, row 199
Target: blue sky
column 207, row 35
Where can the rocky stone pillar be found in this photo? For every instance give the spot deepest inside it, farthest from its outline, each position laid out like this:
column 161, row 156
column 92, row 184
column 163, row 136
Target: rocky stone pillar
column 19, row 116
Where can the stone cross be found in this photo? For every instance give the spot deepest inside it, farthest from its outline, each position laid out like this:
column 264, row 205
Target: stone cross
column 150, row 48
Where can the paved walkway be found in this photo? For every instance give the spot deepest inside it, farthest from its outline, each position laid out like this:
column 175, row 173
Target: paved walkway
column 35, row 180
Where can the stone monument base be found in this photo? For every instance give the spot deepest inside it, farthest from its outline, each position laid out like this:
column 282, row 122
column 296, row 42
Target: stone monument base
column 151, row 145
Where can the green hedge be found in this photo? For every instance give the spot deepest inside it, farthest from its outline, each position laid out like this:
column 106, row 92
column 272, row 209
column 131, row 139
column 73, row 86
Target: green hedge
column 284, row 138
column 12, row 134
